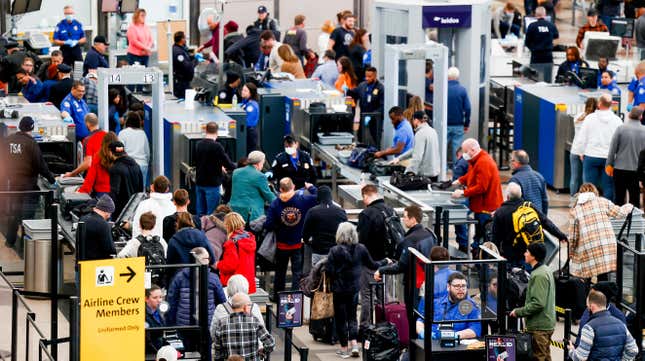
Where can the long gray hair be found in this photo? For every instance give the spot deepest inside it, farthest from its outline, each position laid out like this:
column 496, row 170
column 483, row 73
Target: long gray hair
column 346, row 234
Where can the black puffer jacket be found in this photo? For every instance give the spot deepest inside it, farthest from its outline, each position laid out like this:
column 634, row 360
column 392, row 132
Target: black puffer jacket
column 321, row 223
column 345, row 264
column 125, row 180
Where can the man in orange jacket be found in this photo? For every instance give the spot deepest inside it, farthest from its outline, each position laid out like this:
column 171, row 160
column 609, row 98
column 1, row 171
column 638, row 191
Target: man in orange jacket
column 482, row 184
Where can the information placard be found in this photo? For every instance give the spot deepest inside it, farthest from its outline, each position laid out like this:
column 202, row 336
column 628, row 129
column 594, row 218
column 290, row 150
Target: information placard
column 113, row 309
column 290, row 309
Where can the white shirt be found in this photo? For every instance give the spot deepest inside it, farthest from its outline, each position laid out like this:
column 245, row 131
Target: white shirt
column 160, row 204
column 132, row 248
column 136, row 145
column 597, row 131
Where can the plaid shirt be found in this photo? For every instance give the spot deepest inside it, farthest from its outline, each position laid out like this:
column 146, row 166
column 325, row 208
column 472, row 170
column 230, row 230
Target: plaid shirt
column 238, row 334
column 586, row 27
column 91, row 92
column 592, row 240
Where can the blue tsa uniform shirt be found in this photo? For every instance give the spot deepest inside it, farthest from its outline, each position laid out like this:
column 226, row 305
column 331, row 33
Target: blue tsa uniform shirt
column 639, row 91
column 77, row 110
column 70, row 33
column 466, row 309
column 252, row 112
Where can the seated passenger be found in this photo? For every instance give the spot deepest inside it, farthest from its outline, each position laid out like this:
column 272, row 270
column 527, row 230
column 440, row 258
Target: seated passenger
column 573, row 62
column 457, row 305
column 608, row 83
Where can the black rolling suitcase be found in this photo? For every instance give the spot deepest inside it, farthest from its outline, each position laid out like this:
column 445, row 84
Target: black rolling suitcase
column 570, row 292
column 323, row 330
column 381, row 340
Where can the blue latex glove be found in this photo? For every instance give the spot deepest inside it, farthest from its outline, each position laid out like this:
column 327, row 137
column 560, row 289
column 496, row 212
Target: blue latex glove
column 268, row 174
column 68, row 120
column 69, row 42
column 199, row 57
column 629, row 107
column 74, row 43
column 345, row 88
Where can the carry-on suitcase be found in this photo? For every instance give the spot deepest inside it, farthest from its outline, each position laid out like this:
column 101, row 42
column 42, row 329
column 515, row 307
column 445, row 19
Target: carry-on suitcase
column 323, row 330
column 570, row 292
column 381, row 339
column 394, row 312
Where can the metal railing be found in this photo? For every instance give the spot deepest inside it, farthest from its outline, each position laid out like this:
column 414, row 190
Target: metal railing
column 634, row 305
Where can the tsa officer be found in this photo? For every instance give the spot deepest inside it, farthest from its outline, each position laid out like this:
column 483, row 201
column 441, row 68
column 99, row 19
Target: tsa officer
column 294, row 163
column 73, row 108
column 69, row 35
column 369, row 95
column 225, row 96
column 457, row 305
column 182, row 66
column 639, row 86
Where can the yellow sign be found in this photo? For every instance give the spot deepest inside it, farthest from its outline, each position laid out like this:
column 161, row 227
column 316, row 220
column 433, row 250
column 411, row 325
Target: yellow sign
column 113, row 309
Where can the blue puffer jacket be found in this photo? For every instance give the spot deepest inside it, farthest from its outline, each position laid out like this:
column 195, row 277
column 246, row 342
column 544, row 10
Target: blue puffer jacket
column 179, row 298
column 609, row 337
column 533, row 187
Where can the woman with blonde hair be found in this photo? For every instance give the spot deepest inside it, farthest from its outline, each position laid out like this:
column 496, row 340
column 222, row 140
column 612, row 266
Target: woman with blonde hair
column 140, row 41
column 238, row 256
column 290, row 62
column 414, row 105
column 576, row 148
column 592, row 241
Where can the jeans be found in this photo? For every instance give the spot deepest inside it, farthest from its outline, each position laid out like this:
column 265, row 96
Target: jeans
column 482, row 219
column 345, row 316
column 144, row 174
column 545, row 71
column 626, row 181
column 576, row 173
column 282, row 258
column 593, row 171
column 461, row 231
column 142, row 60
column 454, row 138
column 207, row 200
column 93, row 108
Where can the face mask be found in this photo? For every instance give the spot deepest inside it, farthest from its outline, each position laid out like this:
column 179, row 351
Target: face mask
column 69, row 17
column 467, row 156
column 290, row 150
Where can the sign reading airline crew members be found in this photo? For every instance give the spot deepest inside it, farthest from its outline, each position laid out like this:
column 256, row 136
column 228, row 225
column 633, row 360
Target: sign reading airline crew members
column 113, row 309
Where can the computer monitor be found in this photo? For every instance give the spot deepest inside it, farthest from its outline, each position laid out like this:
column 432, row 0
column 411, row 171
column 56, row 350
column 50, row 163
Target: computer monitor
column 34, row 5
column 19, row 7
column 110, row 6
column 600, row 44
column 129, row 6
column 589, row 77
column 622, row 27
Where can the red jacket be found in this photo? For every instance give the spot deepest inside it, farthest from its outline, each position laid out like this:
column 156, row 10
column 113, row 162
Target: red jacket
column 97, row 178
column 483, row 186
column 238, row 257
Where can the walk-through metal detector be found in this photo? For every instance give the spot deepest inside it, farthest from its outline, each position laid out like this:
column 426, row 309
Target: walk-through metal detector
column 404, row 66
column 137, row 76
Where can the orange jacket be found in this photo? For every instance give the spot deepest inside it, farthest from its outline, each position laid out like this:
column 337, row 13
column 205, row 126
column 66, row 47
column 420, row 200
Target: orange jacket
column 483, row 186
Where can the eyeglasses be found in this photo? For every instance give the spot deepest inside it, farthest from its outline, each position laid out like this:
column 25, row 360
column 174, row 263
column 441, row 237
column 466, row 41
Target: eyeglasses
column 461, row 286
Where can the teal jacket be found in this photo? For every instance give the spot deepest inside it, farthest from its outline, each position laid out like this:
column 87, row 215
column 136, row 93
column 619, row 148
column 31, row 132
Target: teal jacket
column 250, row 193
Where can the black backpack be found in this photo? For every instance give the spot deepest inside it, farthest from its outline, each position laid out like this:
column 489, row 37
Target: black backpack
column 394, row 232
column 152, row 250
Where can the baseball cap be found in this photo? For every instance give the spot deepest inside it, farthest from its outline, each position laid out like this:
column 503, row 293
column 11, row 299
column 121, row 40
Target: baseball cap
column 167, row 353
column 262, row 9
column 117, row 148
column 26, row 124
column 64, row 68
column 100, row 39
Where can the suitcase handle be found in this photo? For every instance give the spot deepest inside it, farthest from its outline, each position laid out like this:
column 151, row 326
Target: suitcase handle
column 373, row 286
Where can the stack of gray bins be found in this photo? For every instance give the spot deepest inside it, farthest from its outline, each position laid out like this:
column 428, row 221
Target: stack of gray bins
column 457, row 211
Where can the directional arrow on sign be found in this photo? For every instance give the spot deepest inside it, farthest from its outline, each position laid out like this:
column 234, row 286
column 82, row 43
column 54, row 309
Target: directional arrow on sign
column 131, row 274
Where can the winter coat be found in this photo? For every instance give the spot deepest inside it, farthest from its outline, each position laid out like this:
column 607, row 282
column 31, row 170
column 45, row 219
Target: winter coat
column 179, row 294
column 250, row 193
column 420, row 239
column 215, row 231
column 238, row 257
column 483, row 185
column 321, row 223
column 125, row 180
column 286, row 215
column 592, row 240
column 161, row 205
column 183, row 242
column 345, row 265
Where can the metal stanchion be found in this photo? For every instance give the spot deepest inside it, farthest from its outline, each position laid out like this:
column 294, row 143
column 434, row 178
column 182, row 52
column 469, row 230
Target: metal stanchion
column 203, row 310
column 288, row 334
column 74, row 329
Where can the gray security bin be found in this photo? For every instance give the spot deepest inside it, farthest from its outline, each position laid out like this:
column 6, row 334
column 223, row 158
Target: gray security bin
column 37, row 254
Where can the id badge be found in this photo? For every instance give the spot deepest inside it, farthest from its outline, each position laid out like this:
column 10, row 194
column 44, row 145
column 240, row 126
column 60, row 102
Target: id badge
column 369, row 98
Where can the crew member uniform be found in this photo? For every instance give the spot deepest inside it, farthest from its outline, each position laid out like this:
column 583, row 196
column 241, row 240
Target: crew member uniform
column 539, row 39
column 466, row 309
column 77, row 109
column 72, row 32
column 300, row 169
column 182, row 71
column 252, row 110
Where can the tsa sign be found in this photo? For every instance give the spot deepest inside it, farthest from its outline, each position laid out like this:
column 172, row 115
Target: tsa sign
column 113, row 309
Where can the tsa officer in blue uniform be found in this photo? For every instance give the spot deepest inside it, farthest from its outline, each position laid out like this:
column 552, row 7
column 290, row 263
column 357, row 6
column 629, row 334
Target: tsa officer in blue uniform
column 637, row 87
column 73, row 108
column 608, row 83
column 457, row 305
column 183, row 69
column 69, row 35
column 252, row 109
column 294, row 163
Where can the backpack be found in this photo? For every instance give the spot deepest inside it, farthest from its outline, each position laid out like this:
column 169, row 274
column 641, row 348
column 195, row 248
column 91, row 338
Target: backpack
column 360, row 157
column 527, row 225
column 152, row 250
column 394, row 233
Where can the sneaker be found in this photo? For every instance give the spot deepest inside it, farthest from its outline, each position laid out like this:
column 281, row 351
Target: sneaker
column 342, row 354
column 355, row 351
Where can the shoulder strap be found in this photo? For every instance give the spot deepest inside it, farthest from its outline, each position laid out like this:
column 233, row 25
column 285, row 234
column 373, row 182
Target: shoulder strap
column 228, row 308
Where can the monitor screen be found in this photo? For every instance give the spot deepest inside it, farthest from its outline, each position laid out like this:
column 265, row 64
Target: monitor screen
column 589, row 78
column 19, row 7
column 622, row 27
column 34, row 5
column 129, row 6
column 601, row 47
column 110, row 6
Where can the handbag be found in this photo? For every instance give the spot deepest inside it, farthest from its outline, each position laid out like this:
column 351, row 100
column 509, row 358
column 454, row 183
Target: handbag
column 409, row 181
column 523, row 342
column 382, row 168
column 268, row 247
column 322, row 305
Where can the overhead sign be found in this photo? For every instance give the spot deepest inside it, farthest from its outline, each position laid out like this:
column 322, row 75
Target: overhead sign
column 113, row 309
column 455, row 16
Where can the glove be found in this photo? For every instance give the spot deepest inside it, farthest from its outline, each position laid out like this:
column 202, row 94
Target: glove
column 629, row 107
column 345, row 88
column 70, row 43
column 609, row 170
column 74, row 43
column 68, row 120
column 199, row 57
column 268, row 174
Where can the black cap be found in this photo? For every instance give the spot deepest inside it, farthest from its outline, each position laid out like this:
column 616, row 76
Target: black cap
column 26, row 124
column 64, row 68
column 100, row 39
column 538, row 250
column 262, row 9
column 11, row 44
column 117, row 148
column 421, row 115
column 592, row 12
column 324, row 195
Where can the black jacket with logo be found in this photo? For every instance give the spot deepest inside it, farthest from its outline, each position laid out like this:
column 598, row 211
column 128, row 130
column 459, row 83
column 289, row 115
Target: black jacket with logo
column 22, row 162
